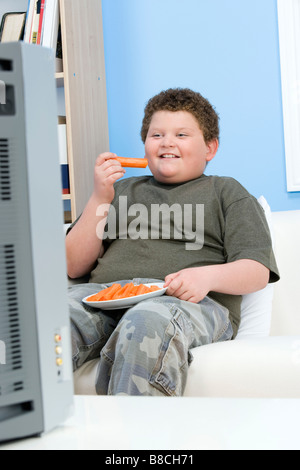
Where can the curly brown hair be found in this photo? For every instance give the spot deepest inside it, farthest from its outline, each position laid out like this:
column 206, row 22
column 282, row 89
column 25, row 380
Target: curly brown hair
column 184, row 99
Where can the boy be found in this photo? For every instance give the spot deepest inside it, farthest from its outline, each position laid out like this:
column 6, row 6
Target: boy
column 146, row 349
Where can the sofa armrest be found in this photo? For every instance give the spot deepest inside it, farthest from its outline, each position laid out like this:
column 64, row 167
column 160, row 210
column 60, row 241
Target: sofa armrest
column 252, row 368
column 248, row 368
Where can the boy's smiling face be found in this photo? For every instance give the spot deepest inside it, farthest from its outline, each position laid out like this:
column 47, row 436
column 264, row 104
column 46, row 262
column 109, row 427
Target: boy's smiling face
column 175, row 147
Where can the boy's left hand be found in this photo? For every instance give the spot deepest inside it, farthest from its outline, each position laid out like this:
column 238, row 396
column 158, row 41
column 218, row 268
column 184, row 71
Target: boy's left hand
column 190, row 284
column 239, row 277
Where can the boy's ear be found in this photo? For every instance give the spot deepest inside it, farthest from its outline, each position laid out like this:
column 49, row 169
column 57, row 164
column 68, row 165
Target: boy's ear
column 212, row 148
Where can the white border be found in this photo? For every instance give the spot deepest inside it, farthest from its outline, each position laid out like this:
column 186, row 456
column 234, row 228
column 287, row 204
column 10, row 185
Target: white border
column 289, row 38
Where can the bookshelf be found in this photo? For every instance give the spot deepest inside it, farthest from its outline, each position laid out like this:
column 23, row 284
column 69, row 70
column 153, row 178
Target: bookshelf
column 84, row 83
column 82, row 88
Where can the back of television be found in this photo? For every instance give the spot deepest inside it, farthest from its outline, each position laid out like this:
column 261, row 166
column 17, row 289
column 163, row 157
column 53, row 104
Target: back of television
column 36, row 386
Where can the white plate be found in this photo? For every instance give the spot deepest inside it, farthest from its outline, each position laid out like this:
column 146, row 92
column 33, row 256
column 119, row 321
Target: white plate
column 128, row 301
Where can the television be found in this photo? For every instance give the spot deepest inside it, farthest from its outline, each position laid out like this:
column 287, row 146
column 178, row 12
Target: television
column 36, row 387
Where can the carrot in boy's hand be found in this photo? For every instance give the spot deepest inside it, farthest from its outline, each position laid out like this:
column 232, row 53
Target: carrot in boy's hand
column 133, row 162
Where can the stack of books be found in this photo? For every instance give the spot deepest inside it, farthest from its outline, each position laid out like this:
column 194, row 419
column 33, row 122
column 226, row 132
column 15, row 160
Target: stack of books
column 42, row 22
column 42, row 26
column 38, row 25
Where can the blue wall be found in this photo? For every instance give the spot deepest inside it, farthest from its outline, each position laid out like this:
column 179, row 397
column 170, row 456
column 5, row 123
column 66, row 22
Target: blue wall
column 227, row 50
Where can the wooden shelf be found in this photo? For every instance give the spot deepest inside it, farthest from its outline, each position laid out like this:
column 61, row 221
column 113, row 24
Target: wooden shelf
column 84, row 83
column 59, row 77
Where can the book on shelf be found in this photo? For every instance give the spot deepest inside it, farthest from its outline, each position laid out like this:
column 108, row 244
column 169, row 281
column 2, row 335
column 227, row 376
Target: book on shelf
column 42, row 26
column 51, row 24
column 36, row 21
column 63, row 154
column 36, row 29
column 29, row 20
column 41, row 20
column 12, row 26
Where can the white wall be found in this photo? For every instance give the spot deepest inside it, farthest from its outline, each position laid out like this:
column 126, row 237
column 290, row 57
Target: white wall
column 228, row 50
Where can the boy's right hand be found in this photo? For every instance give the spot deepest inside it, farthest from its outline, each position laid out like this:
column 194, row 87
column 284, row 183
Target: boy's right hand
column 107, row 171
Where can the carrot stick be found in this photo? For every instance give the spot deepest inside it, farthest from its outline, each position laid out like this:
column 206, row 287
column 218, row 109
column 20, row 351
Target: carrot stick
column 103, row 293
column 154, row 288
column 120, row 293
column 98, row 297
column 114, row 290
column 126, row 292
column 142, row 290
column 132, row 291
column 93, row 298
column 133, row 162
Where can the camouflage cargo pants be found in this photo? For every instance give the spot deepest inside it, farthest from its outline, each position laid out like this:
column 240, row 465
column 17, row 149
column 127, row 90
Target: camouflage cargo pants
column 144, row 350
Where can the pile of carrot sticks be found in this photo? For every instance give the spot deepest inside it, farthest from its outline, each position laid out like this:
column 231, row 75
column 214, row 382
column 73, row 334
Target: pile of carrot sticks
column 116, row 291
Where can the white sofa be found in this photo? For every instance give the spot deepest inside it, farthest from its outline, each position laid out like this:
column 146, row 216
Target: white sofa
column 264, row 359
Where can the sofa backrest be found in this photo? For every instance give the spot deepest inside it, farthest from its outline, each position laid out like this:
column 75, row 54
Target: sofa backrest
column 286, row 303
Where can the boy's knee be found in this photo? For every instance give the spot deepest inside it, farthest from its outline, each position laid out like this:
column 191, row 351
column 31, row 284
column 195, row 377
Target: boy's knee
column 148, row 316
column 148, row 346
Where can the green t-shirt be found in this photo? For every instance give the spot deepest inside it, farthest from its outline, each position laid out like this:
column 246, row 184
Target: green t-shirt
column 156, row 229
